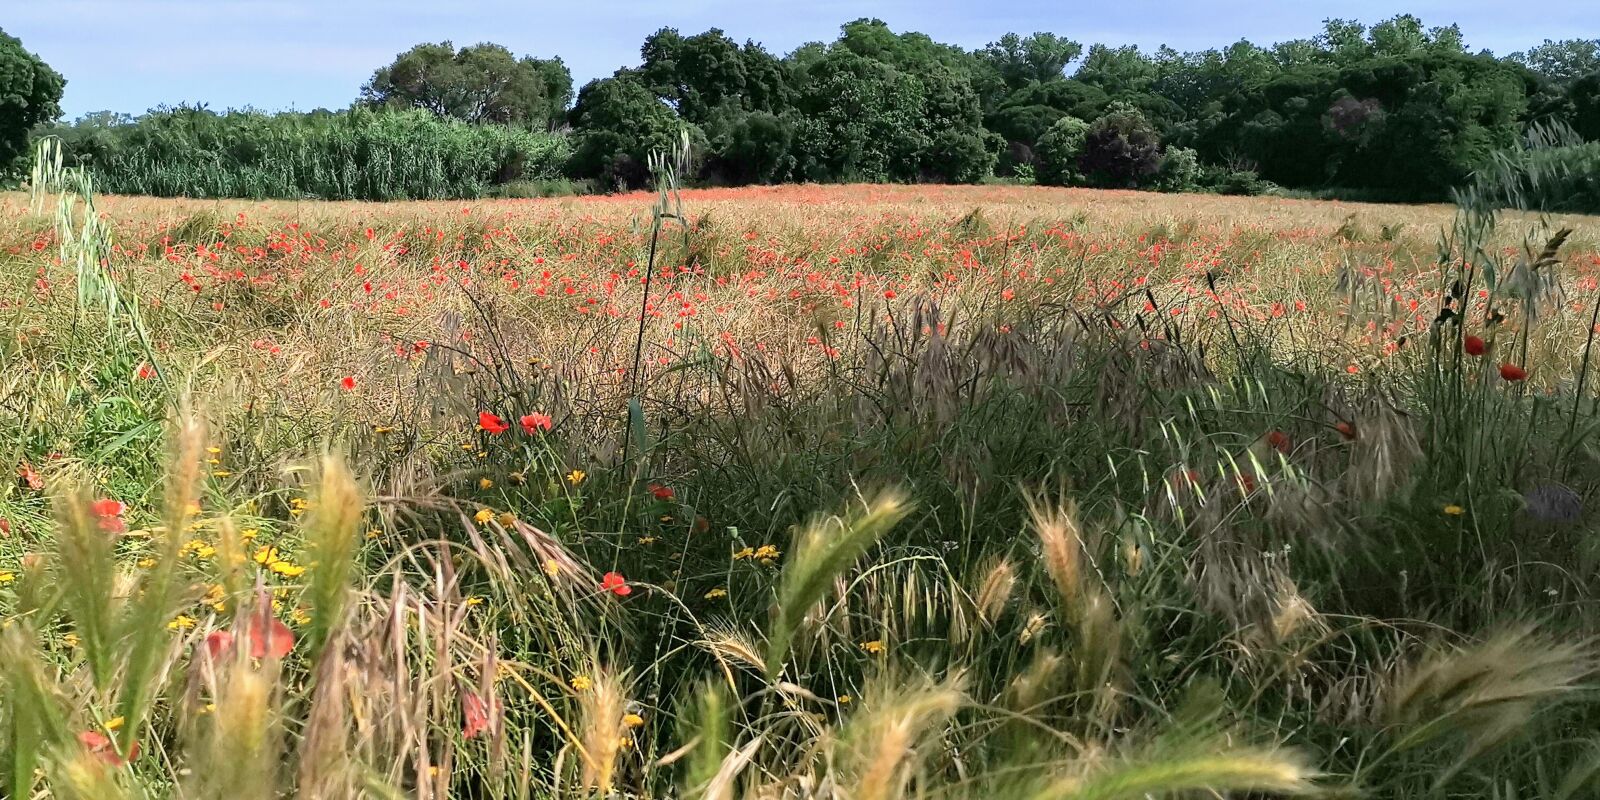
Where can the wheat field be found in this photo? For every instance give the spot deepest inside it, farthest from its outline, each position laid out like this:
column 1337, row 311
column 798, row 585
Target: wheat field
column 857, row 492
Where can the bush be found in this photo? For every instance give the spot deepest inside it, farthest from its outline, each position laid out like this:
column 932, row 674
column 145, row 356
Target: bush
column 1121, row 150
column 355, row 155
column 1058, row 151
column 1179, row 171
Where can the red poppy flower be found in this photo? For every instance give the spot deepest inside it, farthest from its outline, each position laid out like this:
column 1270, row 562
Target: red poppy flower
column 347, row 383
column 101, row 746
column 218, row 643
column 108, row 513
column 1346, row 430
column 30, row 477
column 476, row 714
column 614, row 583
column 1474, row 346
column 269, row 638
column 1280, row 441
column 662, row 492
column 533, row 423
column 492, row 423
column 1512, row 372
column 5, row 527
column 145, row 372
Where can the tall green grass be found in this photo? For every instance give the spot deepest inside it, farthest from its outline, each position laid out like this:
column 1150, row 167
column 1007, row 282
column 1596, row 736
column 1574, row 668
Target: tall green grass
column 348, row 155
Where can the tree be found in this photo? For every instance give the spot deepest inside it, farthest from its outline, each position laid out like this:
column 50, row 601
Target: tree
column 1584, row 94
column 1562, row 61
column 1121, row 149
column 749, row 147
column 30, row 95
column 695, row 75
column 1039, row 58
column 619, row 122
column 1058, row 152
column 480, row 83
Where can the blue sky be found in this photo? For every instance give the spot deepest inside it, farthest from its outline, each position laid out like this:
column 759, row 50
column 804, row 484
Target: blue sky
column 131, row 55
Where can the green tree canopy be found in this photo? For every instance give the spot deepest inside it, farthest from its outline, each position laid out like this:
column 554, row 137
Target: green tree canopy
column 478, row 83
column 30, row 94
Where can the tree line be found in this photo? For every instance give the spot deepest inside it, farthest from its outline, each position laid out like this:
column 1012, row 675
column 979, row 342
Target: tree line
column 1395, row 111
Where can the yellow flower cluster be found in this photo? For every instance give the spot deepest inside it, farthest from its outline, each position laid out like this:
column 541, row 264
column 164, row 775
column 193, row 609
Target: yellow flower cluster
column 268, row 556
column 767, row 554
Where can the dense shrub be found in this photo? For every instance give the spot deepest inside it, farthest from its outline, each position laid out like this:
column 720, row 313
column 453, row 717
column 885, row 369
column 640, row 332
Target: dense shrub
column 1121, row 149
column 1058, row 151
column 355, row 155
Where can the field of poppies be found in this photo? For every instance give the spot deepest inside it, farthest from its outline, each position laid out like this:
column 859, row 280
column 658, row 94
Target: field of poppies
column 858, row 492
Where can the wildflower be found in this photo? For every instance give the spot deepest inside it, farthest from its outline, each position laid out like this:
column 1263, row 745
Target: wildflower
column 108, row 514
column 298, row 506
column 874, row 647
column 576, row 477
column 533, row 423
column 30, row 477
column 1512, row 372
column 145, row 371
column 492, row 424
column 347, row 383
column 182, row 622
column 145, row 563
column 516, row 479
column 767, row 552
column 476, row 715
column 269, row 638
column 1454, row 510
column 483, row 516
column 474, row 601
column 249, row 534
column 552, row 567
column 287, row 569
column 266, row 555
column 1279, row 441
column 743, row 553
column 716, row 593
column 631, row 720
column 507, row 519
column 381, row 429
column 300, row 616
column 1345, row 429
column 101, row 746
column 5, row 527
column 662, row 492
column 845, row 699
column 218, row 643
column 647, row 540
column 6, row 576
column 485, row 484
column 614, row 583
column 582, row 683
column 1474, row 346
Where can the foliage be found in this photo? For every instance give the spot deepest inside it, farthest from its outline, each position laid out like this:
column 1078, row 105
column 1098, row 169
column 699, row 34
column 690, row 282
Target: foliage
column 1059, row 151
column 1120, row 149
column 357, row 155
column 30, row 92
column 619, row 124
column 478, row 83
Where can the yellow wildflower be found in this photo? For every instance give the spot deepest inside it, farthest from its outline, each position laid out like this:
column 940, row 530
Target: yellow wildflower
column 632, row 720
column 845, row 699
column 767, row 552
column 70, row 640
column 647, row 540
column 582, row 684
column 516, row 479
column 382, row 429
column 508, row 519
column 266, row 555
column 300, row 616
column 114, row 724
column 744, row 553
column 874, row 647
column 182, row 622
column 220, row 473
column 576, row 477
column 7, row 577
column 716, row 593
column 484, row 515
column 552, row 567
column 474, row 601
column 249, row 534
column 485, row 484
column 1454, row 510
column 287, row 569
column 213, row 450
column 145, row 563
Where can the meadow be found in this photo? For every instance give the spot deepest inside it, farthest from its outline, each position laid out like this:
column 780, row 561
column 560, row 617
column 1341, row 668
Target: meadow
column 855, row 491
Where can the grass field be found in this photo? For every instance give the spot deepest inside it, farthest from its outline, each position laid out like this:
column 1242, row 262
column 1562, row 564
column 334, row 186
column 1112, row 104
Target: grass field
column 845, row 492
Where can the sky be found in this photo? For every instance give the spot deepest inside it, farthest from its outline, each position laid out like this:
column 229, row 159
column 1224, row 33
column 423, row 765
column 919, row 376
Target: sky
column 133, row 55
